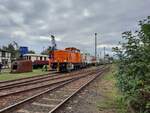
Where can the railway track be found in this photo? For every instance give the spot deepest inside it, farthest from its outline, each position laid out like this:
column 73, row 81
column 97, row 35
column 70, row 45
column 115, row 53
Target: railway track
column 16, row 94
column 35, row 84
column 11, row 83
column 23, row 80
column 51, row 99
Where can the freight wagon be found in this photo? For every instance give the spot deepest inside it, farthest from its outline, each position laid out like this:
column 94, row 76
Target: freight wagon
column 38, row 60
column 88, row 59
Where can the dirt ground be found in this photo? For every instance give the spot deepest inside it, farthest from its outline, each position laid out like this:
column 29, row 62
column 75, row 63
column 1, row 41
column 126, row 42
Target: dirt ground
column 90, row 100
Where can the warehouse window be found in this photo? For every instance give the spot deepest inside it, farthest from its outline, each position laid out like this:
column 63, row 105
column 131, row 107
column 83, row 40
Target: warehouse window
column 3, row 54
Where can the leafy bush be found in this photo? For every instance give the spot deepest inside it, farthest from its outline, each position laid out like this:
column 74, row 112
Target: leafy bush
column 133, row 76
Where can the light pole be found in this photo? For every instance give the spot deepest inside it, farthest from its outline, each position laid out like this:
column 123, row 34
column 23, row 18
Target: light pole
column 95, row 48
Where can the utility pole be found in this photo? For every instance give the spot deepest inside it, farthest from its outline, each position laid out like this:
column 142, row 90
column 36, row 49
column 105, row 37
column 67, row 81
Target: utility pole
column 104, row 54
column 95, row 46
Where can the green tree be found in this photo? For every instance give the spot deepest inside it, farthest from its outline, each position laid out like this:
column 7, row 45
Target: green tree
column 133, row 76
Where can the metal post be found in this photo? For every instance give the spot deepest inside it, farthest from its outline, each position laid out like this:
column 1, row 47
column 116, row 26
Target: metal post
column 96, row 47
column 104, row 55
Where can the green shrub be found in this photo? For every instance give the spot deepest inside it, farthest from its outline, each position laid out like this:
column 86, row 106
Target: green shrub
column 133, row 76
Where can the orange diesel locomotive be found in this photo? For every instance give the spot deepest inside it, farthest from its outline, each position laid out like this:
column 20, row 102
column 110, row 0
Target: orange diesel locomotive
column 65, row 60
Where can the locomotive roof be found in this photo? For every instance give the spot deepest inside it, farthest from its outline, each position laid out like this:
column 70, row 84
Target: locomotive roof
column 72, row 48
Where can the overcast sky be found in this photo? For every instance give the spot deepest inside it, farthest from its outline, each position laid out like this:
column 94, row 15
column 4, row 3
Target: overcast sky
column 73, row 22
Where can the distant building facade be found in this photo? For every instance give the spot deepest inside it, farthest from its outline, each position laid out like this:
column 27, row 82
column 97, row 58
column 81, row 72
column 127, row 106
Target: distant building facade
column 5, row 58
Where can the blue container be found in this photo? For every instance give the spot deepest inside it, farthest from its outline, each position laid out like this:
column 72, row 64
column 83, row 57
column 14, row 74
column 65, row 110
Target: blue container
column 23, row 50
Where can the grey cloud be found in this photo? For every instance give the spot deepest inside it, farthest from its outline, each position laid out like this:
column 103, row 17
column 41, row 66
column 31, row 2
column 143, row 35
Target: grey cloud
column 73, row 21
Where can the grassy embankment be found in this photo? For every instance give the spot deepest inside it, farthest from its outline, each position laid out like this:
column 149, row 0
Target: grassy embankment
column 6, row 75
column 112, row 97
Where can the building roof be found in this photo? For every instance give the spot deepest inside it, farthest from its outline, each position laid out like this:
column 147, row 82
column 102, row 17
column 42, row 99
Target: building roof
column 39, row 55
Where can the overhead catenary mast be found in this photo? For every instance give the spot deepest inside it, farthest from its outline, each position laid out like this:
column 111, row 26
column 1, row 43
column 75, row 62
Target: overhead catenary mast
column 104, row 54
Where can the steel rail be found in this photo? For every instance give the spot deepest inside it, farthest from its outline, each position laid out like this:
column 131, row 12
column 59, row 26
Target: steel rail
column 26, row 78
column 9, row 81
column 16, row 105
column 30, row 79
column 38, row 87
column 34, row 81
column 74, row 93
